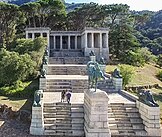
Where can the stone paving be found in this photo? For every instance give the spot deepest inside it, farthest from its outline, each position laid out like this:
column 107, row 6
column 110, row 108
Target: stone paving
column 118, row 98
column 67, row 77
column 56, row 97
column 67, row 65
column 79, row 98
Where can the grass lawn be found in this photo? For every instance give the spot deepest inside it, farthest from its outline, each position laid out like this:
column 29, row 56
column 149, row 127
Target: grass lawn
column 19, row 97
column 16, row 103
column 143, row 75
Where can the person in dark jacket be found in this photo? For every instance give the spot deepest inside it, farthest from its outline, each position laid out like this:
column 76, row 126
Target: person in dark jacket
column 68, row 96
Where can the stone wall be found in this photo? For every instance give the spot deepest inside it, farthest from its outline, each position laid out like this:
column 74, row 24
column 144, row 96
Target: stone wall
column 96, row 114
column 42, row 83
column 117, row 82
column 151, row 118
column 37, row 125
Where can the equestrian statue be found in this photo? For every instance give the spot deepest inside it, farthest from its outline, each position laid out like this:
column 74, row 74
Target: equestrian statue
column 94, row 74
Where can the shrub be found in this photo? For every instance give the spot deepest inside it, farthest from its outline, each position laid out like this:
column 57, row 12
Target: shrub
column 139, row 57
column 127, row 73
column 35, row 48
column 159, row 60
column 159, row 75
column 20, row 89
column 135, row 59
column 23, row 46
column 14, row 67
column 147, row 55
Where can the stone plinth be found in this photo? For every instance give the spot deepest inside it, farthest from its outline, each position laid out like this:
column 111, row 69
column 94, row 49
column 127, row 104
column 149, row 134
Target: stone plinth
column 37, row 125
column 42, row 83
column 96, row 114
column 93, row 58
column 46, row 68
column 151, row 118
column 117, row 82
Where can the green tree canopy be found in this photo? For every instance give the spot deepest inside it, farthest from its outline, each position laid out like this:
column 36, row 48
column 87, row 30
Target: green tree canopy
column 10, row 16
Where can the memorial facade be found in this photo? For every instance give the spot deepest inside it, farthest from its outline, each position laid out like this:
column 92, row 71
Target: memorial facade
column 85, row 41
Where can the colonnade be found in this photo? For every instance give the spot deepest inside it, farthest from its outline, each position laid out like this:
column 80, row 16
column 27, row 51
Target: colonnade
column 60, row 37
column 95, row 40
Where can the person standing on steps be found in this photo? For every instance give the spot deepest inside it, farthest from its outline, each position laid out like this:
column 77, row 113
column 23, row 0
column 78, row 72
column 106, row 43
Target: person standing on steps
column 63, row 95
column 68, row 96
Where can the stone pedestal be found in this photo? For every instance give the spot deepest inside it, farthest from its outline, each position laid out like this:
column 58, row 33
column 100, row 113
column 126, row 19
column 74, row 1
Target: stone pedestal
column 93, row 58
column 151, row 118
column 37, row 125
column 42, row 83
column 46, row 68
column 96, row 114
column 117, row 82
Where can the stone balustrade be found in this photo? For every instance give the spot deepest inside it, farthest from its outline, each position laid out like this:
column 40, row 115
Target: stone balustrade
column 151, row 118
column 37, row 123
column 42, row 83
column 117, row 82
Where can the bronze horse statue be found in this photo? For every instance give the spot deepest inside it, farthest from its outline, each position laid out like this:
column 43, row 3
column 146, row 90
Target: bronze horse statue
column 94, row 74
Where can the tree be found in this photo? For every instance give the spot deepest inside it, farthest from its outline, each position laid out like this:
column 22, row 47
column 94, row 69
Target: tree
column 115, row 12
column 122, row 40
column 10, row 15
column 35, row 48
column 30, row 11
column 44, row 13
column 89, row 15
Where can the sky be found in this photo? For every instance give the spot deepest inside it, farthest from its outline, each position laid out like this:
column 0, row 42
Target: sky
column 138, row 5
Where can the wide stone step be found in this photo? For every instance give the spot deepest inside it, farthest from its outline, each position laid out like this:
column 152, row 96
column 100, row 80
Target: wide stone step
column 119, row 121
column 63, row 120
column 136, row 120
column 56, row 82
column 50, row 115
column 54, row 120
column 62, row 111
column 126, row 120
column 64, row 127
column 61, row 104
column 138, row 126
column 140, row 133
column 127, row 133
column 72, row 115
column 125, row 110
column 123, row 115
column 59, row 124
column 71, row 133
column 52, row 85
column 67, row 69
column 126, row 105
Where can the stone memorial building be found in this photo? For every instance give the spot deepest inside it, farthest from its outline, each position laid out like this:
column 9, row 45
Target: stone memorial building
column 85, row 41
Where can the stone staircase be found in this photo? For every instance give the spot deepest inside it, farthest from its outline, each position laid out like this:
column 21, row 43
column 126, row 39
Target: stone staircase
column 63, row 119
column 66, row 53
column 66, row 69
column 124, row 120
column 68, row 60
column 57, row 85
